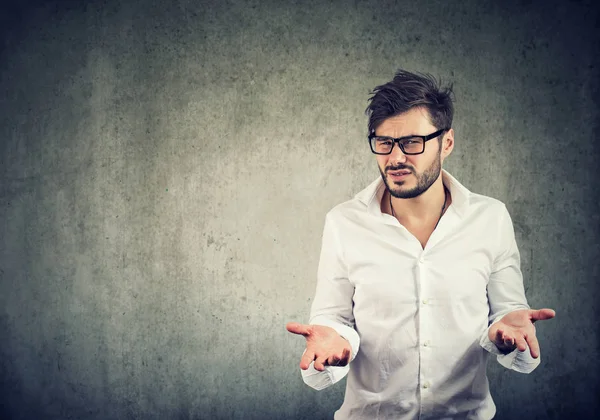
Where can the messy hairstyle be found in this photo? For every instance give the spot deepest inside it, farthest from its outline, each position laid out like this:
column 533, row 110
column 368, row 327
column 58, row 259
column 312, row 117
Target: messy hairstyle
column 409, row 90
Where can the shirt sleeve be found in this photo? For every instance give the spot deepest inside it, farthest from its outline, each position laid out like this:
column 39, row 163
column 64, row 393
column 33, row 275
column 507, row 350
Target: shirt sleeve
column 506, row 294
column 332, row 305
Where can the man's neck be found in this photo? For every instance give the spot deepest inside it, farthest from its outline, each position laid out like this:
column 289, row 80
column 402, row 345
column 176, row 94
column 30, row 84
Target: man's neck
column 424, row 208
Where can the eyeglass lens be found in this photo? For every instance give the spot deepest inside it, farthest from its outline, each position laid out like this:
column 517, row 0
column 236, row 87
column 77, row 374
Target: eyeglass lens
column 409, row 145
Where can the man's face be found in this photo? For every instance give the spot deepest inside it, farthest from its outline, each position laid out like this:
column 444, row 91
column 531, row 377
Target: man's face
column 408, row 176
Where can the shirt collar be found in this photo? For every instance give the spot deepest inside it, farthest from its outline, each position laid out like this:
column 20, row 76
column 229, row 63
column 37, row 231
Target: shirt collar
column 372, row 195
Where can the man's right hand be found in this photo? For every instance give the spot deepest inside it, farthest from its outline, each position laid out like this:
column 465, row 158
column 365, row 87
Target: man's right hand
column 323, row 345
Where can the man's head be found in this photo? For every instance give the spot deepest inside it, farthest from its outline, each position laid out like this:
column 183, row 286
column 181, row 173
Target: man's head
column 410, row 105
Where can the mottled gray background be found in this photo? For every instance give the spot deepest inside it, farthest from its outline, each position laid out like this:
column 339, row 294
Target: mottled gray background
column 166, row 167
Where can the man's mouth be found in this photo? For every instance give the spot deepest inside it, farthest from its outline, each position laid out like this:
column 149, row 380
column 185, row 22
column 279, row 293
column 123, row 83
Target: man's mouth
column 399, row 172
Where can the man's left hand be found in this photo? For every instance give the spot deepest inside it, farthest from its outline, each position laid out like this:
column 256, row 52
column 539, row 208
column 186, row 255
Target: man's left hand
column 515, row 330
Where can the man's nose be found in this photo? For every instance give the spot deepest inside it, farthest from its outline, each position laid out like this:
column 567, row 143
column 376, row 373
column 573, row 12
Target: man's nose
column 397, row 155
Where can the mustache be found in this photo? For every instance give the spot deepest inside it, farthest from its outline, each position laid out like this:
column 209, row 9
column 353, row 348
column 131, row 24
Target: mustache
column 399, row 168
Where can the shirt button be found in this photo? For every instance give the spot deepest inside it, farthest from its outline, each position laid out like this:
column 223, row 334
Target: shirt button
column 426, row 385
column 421, row 259
column 426, row 344
column 425, row 301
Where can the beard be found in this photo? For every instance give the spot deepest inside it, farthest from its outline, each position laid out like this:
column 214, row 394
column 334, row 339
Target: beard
column 424, row 180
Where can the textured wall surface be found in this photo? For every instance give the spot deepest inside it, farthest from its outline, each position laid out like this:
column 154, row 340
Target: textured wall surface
column 166, row 166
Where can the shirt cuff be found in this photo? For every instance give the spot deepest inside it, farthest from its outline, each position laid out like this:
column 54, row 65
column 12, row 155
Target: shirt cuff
column 321, row 380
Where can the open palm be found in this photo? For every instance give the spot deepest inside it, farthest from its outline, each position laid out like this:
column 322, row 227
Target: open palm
column 516, row 330
column 324, row 346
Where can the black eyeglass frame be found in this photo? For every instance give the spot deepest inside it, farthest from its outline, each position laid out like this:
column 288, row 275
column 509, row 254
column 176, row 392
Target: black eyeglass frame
column 397, row 141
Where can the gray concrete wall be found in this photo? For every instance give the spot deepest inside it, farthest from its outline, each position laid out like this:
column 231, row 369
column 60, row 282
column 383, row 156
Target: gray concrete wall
column 165, row 169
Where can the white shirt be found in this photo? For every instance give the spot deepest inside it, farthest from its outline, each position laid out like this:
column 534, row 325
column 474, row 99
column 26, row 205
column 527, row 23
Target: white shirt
column 417, row 319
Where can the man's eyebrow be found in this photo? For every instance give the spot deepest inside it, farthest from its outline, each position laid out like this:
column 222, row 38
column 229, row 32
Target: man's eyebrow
column 401, row 137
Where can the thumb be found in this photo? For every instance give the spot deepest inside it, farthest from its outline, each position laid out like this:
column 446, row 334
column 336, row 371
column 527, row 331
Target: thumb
column 542, row 314
column 297, row 328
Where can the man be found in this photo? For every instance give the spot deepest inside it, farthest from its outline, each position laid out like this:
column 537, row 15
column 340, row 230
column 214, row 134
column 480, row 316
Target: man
column 419, row 278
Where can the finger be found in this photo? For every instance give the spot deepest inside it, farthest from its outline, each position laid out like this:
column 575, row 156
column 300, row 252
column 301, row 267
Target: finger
column 345, row 357
column 521, row 344
column 320, row 363
column 541, row 314
column 499, row 337
column 339, row 359
column 534, row 346
column 503, row 339
column 307, row 359
column 508, row 341
column 333, row 360
column 297, row 328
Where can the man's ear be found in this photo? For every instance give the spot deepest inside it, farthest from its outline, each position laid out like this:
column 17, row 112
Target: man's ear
column 447, row 144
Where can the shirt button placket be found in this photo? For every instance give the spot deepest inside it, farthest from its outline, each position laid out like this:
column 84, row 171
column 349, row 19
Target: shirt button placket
column 425, row 324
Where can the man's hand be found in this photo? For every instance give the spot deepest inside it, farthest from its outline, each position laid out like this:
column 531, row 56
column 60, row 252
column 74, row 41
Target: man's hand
column 515, row 330
column 323, row 345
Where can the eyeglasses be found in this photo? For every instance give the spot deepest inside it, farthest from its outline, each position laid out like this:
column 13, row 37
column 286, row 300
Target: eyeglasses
column 410, row 145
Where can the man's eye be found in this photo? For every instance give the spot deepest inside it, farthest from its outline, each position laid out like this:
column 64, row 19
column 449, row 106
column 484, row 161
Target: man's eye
column 384, row 142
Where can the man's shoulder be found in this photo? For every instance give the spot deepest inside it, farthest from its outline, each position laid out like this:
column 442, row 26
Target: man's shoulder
column 480, row 202
column 470, row 204
column 359, row 204
column 347, row 208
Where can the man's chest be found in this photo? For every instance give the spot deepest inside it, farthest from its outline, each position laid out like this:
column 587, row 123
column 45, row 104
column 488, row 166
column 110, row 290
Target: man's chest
column 393, row 269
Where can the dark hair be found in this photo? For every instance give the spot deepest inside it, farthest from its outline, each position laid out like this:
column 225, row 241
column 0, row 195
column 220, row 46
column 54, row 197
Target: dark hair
column 409, row 90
